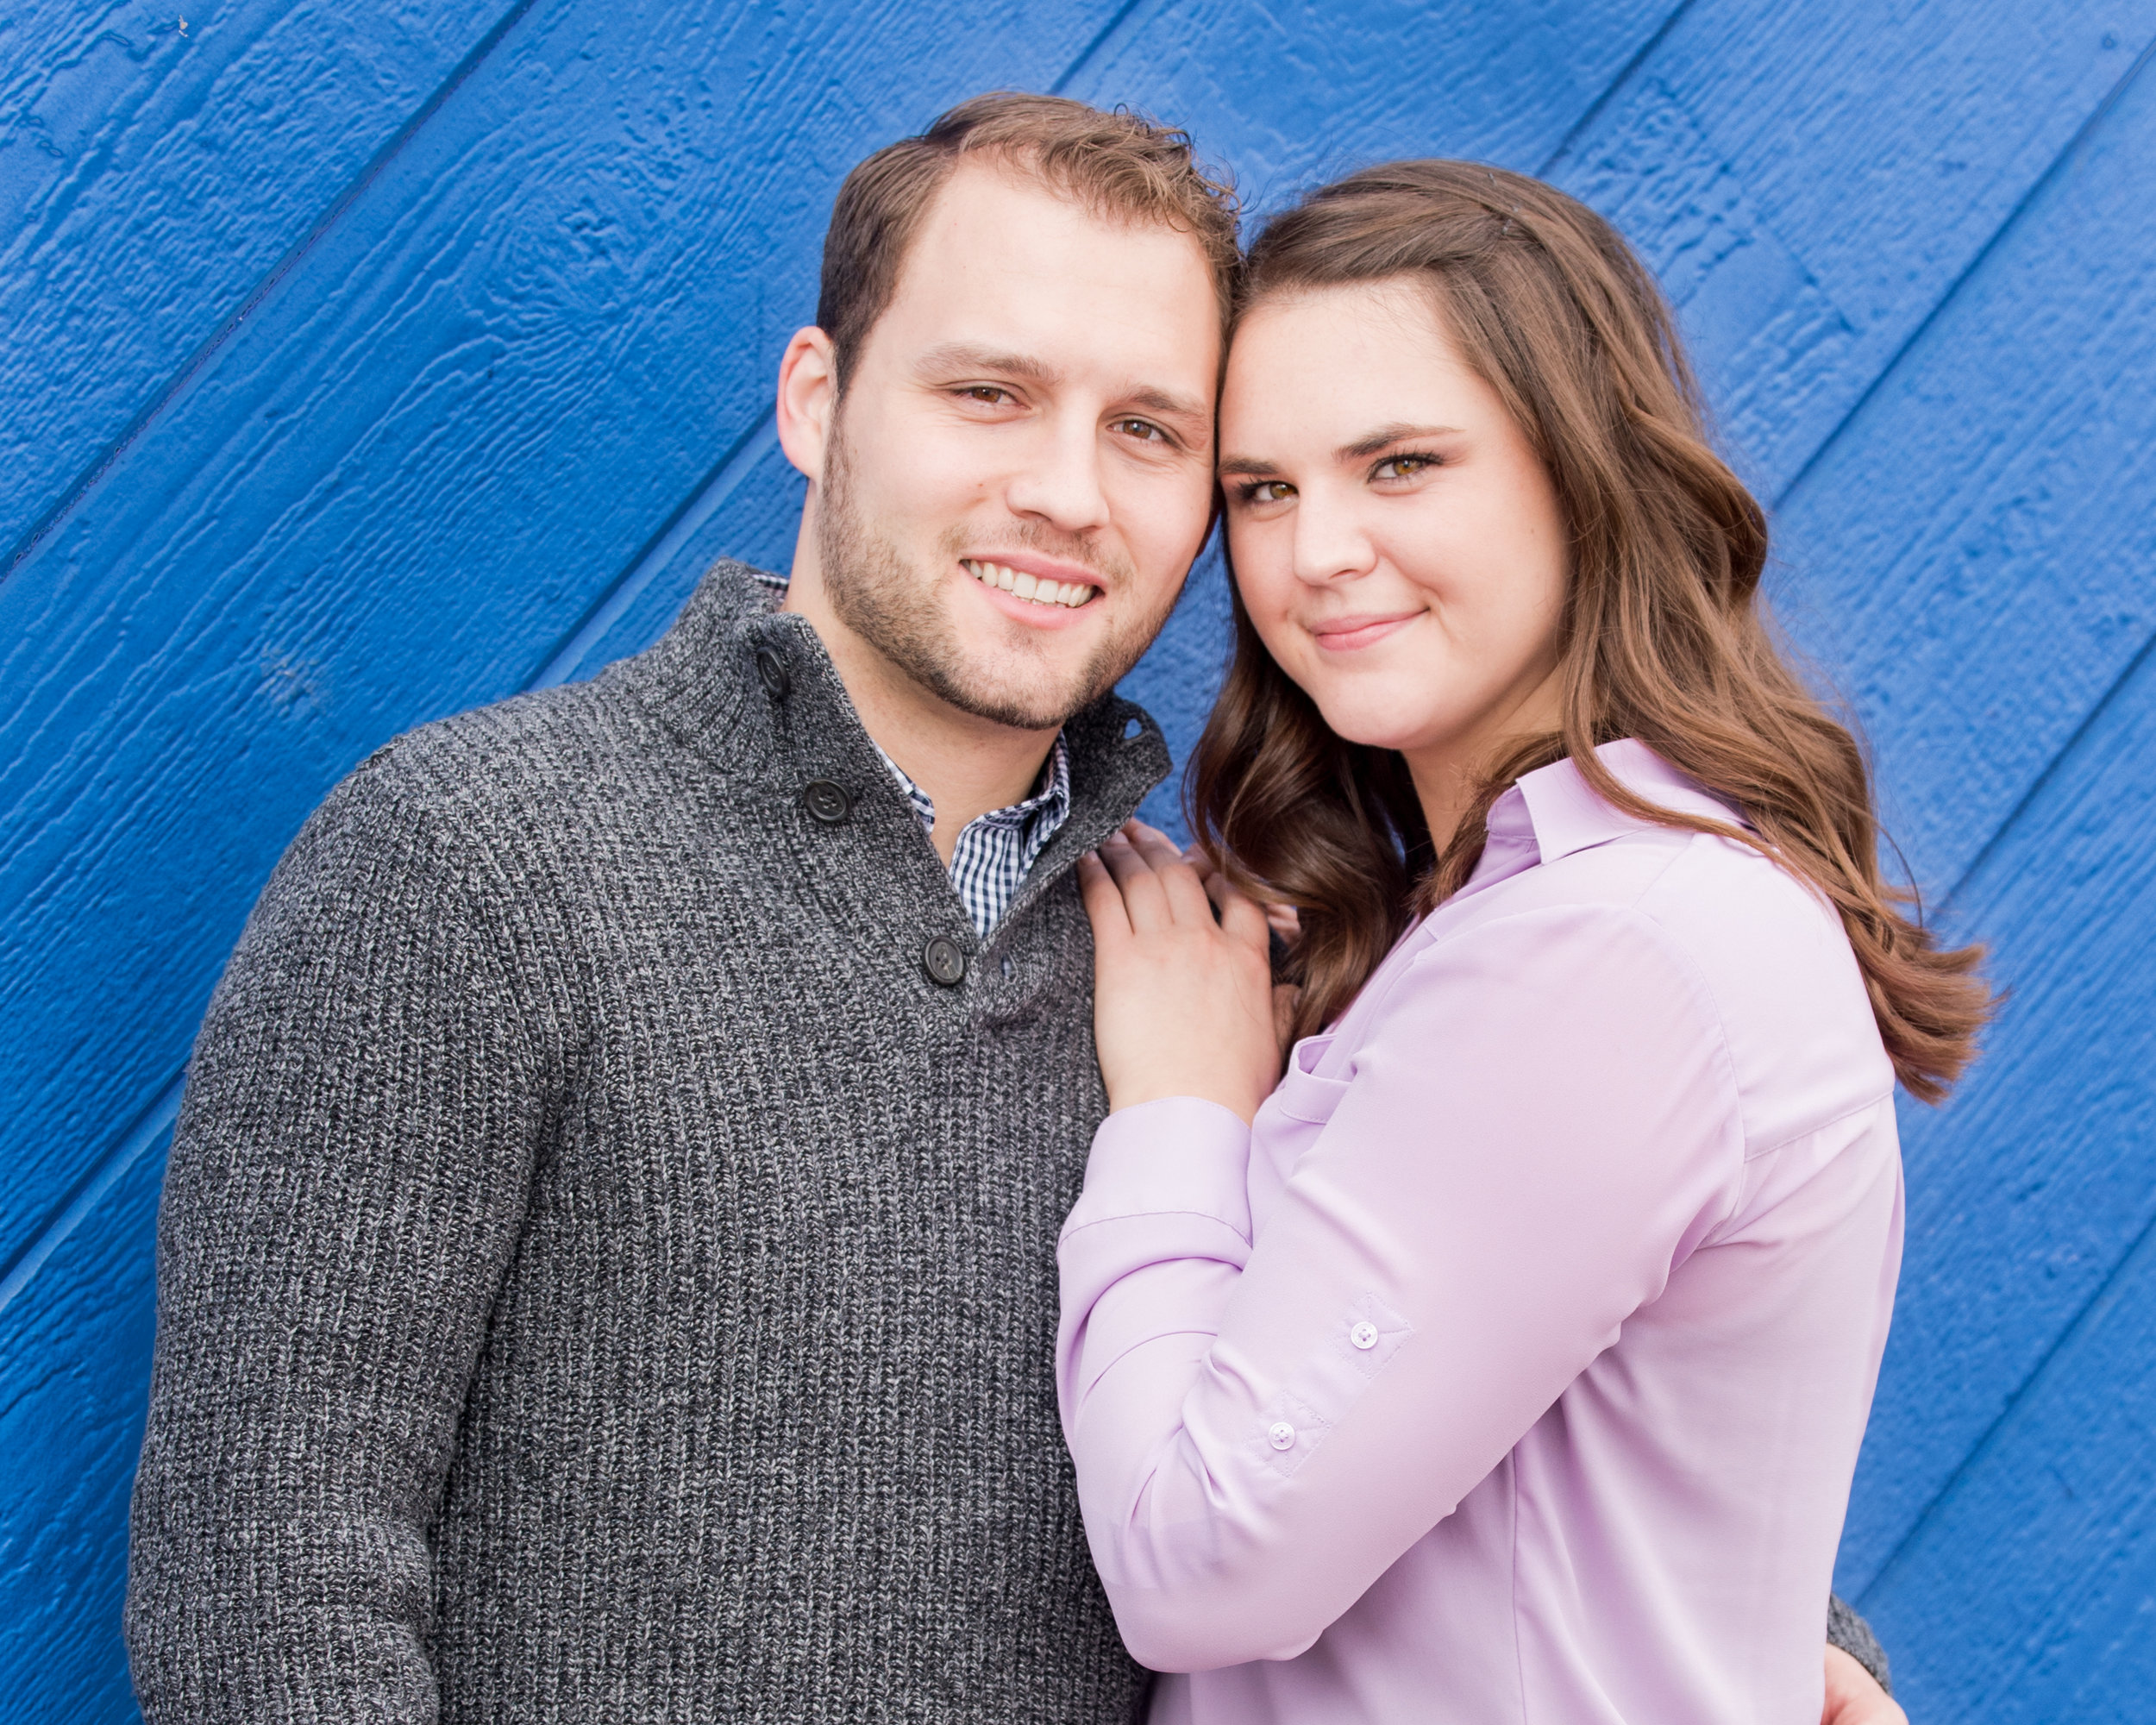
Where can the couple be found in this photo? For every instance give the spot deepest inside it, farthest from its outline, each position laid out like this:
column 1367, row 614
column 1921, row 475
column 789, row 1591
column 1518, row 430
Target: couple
column 609, row 1265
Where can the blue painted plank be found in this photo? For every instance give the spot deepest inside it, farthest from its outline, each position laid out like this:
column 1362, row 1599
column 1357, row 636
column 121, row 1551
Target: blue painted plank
column 1808, row 181
column 154, row 165
column 2028, row 1592
column 400, row 485
column 74, row 1362
column 1992, row 509
column 1294, row 94
column 1974, row 553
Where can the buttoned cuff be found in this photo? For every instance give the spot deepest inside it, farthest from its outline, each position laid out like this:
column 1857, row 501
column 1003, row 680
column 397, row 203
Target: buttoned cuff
column 1178, row 1156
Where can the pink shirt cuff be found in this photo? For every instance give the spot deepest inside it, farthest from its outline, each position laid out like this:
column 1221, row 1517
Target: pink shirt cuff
column 1177, row 1156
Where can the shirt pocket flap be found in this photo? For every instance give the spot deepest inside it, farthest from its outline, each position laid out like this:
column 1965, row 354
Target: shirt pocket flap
column 1302, row 1094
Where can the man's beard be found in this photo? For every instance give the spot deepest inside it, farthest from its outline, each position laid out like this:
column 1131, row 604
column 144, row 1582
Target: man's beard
column 899, row 610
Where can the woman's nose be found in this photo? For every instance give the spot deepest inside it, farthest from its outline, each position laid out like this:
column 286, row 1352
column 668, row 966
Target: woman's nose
column 1330, row 541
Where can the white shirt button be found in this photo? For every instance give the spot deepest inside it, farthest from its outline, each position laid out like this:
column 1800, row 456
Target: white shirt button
column 1283, row 1436
column 1365, row 1335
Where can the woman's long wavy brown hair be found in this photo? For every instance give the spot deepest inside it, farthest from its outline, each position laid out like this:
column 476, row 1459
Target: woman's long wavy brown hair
column 1665, row 639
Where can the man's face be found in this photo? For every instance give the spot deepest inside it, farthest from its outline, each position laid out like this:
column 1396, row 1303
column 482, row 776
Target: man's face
column 1019, row 472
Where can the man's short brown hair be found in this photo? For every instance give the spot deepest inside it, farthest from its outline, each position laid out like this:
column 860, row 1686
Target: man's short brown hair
column 1121, row 165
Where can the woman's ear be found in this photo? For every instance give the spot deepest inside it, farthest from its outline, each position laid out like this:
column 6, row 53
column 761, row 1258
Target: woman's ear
column 808, row 396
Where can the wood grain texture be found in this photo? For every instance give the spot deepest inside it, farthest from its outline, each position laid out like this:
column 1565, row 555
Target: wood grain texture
column 74, row 1380
column 157, row 163
column 2027, row 1590
column 1809, row 181
column 1974, row 556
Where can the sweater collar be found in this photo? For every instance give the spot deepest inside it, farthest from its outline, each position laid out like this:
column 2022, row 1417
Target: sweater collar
column 750, row 686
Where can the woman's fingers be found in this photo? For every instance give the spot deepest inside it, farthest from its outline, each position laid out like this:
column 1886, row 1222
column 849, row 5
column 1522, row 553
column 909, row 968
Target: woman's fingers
column 1184, row 892
column 1103, row 900
column 1144, row 899
column 1241, row 917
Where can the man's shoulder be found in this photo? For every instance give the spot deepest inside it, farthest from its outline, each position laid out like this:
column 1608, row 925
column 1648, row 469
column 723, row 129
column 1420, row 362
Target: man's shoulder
column 499, row 755
column 558, row 744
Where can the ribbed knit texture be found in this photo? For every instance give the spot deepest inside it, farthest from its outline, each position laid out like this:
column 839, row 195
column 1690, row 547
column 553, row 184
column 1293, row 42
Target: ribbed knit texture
column 601, row 1276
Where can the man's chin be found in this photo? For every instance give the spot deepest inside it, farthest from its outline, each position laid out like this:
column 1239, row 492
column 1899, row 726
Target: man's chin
column 1028, row 709
column 986, row 684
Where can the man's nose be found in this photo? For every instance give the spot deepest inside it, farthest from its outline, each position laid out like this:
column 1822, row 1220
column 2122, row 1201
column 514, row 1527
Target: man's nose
column 1062, row 485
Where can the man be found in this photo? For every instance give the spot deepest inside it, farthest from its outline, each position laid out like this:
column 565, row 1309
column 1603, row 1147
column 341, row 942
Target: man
column 607, row 1263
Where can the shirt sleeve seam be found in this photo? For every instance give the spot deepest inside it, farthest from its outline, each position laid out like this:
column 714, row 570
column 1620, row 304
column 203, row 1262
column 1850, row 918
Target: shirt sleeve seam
column 1075, row 1229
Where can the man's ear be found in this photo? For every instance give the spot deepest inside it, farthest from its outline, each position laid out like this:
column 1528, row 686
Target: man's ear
column 808, row 398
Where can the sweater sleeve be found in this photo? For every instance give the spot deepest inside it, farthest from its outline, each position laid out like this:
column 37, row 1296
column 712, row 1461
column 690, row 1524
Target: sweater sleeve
column 1539, row 1126
column 1847, row 1630
column 346, row 1186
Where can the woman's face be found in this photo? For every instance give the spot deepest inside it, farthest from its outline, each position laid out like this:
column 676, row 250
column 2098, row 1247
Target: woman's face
column 1396, row 540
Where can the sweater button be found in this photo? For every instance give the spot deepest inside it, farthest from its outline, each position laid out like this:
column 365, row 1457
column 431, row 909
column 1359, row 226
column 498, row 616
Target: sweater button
column 771, row 673
column 1282, row 1436
column 826, row 801
column 944, row 961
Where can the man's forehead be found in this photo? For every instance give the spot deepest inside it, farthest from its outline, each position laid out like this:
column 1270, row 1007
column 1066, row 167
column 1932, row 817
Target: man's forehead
column 1004, row 264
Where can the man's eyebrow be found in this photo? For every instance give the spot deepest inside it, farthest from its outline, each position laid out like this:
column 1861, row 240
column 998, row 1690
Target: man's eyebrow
column 1166, row 404
column 955, row 358
column 1386, row 435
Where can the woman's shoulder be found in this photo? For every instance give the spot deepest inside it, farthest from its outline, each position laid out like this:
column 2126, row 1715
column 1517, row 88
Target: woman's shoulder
column 1769, row 954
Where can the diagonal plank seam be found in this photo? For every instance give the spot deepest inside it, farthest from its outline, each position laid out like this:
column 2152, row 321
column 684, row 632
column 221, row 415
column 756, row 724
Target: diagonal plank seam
column 150, row 1125
column 2064, row 754
column 1101, row 38
column 191, row 368
column 2021, row 206
column 1595, row 108
column 1935, row 1506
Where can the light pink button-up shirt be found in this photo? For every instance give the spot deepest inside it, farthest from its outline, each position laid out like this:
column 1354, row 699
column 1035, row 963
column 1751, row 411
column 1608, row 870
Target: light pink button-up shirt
column 1512, row 1366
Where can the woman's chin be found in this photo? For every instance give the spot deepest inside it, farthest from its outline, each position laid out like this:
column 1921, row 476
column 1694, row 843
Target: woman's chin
column 1370, row 724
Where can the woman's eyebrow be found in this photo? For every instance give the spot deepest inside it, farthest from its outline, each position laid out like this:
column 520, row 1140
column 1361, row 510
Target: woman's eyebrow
column 1244, row 466
column 1386, row 435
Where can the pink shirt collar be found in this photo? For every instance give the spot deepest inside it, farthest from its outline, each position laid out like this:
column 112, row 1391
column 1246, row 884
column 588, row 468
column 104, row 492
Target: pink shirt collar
column 1552, row 812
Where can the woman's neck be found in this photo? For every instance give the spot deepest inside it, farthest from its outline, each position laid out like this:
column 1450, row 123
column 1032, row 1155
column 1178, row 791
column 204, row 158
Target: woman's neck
column 1450, row 773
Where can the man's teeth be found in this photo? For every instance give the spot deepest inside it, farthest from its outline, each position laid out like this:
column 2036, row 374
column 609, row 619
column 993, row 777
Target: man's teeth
column 1020, row 584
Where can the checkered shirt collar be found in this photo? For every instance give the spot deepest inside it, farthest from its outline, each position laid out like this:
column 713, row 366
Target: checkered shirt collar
column 990, row 862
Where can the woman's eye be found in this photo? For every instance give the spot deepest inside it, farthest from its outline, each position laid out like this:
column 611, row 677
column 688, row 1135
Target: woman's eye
column 1402, row 466
column 1266, row 490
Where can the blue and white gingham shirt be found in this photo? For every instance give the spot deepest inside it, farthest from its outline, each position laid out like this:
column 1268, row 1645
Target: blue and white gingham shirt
column 989, row 862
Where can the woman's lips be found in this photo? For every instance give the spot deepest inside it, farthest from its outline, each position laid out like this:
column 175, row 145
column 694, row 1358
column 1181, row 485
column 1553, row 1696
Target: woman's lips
column 1348, row 634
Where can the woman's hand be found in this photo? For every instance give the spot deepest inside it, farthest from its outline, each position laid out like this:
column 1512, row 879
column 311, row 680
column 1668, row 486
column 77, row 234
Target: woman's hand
column 1183, row 1002
column 1853, row 1694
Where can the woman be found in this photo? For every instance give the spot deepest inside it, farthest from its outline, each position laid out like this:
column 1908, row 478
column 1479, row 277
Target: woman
column 1508, row 1360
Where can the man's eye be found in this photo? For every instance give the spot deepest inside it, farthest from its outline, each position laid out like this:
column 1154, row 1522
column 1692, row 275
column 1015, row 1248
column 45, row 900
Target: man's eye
column 1144, row 430
column 985, row 392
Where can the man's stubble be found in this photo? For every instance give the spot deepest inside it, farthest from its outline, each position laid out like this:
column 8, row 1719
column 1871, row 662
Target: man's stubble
column 900, row 612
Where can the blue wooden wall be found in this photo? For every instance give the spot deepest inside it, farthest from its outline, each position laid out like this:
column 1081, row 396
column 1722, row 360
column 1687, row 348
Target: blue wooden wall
column 363, row 364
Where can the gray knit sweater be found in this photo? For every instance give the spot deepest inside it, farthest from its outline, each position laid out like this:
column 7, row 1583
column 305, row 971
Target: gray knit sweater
column 606, row 1269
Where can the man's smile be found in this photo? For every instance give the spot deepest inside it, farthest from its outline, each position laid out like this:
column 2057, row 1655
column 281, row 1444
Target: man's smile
column 1024, row 584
